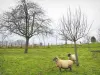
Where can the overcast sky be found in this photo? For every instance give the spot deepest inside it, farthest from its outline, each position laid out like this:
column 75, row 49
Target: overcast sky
column 55, row 9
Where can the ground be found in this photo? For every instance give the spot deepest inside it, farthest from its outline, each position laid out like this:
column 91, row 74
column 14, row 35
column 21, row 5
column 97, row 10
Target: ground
column 38, row 61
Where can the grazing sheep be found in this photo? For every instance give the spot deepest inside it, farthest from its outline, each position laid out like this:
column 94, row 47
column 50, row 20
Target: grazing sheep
column 64, row 64
column 72, row 57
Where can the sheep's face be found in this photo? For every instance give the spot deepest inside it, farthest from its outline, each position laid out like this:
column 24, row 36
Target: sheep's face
column 69, row 55
column 55, row 59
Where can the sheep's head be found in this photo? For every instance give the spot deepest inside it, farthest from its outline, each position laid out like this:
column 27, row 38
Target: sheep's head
column 55, row 59
column 69, row 54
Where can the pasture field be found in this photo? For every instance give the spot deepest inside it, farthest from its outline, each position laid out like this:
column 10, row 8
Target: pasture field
column 38, row 61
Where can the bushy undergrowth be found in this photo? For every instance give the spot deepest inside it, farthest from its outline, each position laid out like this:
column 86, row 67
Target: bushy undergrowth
column 38, row 61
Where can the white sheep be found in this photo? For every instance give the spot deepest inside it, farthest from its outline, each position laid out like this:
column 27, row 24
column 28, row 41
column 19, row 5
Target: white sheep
column 72, row 57
column 64, row 64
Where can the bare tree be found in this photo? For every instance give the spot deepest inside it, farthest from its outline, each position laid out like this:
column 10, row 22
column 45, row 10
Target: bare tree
column 20, row 43
column 27, row 19
column 74, row 27
column 3, row 37
column 87, row 39
column 64, row 37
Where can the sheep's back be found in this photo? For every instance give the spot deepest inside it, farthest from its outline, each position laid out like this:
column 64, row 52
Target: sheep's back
column 70, row 62
column 72, row 57
column 64, row 63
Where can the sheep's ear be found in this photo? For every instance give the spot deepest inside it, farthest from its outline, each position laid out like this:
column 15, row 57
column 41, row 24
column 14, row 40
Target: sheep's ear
column 57, row 57
column 68, row 54
column 53, row 59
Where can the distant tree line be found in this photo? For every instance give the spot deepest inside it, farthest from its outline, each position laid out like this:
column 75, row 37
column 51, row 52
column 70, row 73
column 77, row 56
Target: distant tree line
column 17, row 43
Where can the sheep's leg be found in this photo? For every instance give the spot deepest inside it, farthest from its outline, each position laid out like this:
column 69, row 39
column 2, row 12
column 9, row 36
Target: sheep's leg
column 70, row 67
column 60, row 69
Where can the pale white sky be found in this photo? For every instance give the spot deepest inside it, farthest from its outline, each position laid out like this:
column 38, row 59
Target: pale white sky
column 55, row 9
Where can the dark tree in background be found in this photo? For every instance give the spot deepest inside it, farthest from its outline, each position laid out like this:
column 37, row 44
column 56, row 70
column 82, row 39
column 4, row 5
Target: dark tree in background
column 27, row 19
column 74, row 27
column 93, row 39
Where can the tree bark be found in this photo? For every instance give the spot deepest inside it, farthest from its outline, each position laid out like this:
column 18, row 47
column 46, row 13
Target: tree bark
column 66, row 42
column 75, row 49
column 26, row 45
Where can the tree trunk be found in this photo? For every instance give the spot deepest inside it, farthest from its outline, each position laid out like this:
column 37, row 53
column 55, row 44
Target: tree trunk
column 26, row 45
column 75, row 49
column 43, row 41
column 66, row 42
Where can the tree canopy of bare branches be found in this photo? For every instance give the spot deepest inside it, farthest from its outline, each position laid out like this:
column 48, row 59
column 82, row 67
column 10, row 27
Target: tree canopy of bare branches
column 74, row 27
column 27, row 19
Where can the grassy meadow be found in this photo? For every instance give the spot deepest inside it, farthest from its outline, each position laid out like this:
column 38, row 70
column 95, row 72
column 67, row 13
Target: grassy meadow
column 38, row 61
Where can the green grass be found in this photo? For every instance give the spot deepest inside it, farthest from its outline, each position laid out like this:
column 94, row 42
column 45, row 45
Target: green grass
column 38, row 61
